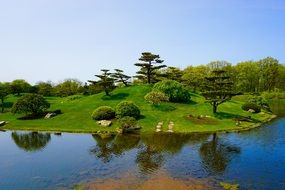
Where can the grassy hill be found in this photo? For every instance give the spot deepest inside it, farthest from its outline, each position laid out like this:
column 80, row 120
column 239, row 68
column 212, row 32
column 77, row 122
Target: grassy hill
column 77, row 112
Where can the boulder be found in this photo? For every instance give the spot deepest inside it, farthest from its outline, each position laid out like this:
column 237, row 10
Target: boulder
column 50, row 115
column 251, row 111
column 105, row 123
column 2, row 123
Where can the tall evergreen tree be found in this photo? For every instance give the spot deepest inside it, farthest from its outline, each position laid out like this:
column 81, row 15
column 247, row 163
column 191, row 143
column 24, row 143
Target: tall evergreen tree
column 147, row 65
column 218, row 88
column 119, row 76
column 106, row 81
column 4, row 91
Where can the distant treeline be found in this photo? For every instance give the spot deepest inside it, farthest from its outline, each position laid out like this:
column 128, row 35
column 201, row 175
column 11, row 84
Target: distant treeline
column 249, row 76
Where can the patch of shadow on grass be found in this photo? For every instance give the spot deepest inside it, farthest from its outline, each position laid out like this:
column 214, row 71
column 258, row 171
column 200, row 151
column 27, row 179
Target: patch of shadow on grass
column 119, row 96
column 7, row 104
column 191, row 102
column 224, row 115
column 164, row 107
column 141, row 117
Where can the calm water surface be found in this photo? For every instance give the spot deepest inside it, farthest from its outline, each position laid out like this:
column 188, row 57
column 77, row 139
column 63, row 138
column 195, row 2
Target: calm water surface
column 253, row 159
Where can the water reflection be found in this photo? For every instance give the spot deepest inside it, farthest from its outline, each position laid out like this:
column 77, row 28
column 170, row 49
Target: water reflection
column 32, row 141
column 110, row 146
column 216, row 155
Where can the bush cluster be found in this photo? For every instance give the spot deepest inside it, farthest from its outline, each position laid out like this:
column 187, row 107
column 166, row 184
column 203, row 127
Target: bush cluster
column 103, row 113
column 127, row 108
column 174, row 90
column 156, row 97
column 253, row 106
column 127, row 122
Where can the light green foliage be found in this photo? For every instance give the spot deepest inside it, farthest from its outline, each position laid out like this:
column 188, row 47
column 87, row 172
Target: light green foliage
column 127, row 108
column 156, row 97
column 31, row 103
column 44, row 88
column 174, row 90
column 194, row 76
column 67, row 88
column 103, row 112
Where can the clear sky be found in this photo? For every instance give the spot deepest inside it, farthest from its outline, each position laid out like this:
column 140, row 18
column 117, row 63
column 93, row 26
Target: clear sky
column 56, row 39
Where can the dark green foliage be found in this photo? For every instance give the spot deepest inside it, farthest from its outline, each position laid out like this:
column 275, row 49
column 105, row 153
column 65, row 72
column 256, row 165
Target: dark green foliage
column 4, row 92
column 174, row 90
column 31, row 104
column 156, row 97
column 19, row 86
column 147, row 66
column 251, row 105
column 120, row 77
column 127, row 122
column 106, row 81
column 218, row 88
column 127, row 108
column 103, row 112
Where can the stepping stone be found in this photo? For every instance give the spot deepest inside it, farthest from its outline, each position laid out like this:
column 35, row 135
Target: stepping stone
column 2, row 123
column 159, row 126
column 170, row 127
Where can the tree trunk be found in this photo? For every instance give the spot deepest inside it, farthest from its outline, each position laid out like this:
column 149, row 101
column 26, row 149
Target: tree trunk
column 215, row 107
column 2, row 105
column 107, row 93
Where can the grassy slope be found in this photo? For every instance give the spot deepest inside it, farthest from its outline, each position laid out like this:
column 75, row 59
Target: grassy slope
column 76, row 115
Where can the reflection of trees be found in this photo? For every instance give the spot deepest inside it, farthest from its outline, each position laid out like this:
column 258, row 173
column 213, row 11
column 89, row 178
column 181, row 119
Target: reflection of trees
column 31, row 141
column 157, row 145
column 216, row 155
column 107, row 147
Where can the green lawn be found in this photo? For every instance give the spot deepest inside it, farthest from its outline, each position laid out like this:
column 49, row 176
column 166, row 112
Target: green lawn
column 77, row 111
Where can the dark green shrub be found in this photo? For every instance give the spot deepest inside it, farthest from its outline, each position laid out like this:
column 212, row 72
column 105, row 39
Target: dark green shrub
column 127, row 108
column 103, row 112
column 33, row 104
column 156, row 97
column 249, row 105
column 127, row 122
column 174, row 90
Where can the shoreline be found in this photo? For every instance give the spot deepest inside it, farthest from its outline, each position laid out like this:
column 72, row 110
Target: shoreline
column 237, row 130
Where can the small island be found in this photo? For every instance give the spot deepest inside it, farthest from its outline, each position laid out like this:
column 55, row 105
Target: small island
column 201, row 99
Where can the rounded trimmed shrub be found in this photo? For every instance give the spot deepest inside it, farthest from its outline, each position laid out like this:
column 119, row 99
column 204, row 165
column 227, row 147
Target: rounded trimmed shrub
column 249, row 105
column 127, row 108
column 156, row 97
column 174, row 90
column 127, row 122
column 103, row 112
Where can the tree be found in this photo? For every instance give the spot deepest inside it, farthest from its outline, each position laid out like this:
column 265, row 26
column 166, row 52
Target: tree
column 269, row 73
column 4, row 91
column 148, row 67
column 44, row 88
column 68, row 87
column 106, row 81
column 218, row 88
column 33, row 104
column 194, row 76
column 172, row 73
column 19, row 86
column 119, row 76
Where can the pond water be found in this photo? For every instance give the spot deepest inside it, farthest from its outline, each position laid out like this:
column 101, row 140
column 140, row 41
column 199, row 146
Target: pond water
column 253, row 159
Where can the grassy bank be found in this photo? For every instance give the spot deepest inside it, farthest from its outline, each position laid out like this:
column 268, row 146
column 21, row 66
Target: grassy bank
column 77, row 112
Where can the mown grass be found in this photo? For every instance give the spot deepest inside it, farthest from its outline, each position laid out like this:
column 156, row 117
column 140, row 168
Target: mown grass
column 77, row 112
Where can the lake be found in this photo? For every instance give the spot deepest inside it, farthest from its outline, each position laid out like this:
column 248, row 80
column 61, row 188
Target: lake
column 254, row 159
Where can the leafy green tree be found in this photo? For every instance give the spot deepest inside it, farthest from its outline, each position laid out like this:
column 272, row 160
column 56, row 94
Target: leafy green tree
column 218, row 88
column 106, row 81
column 147, row 66
column 4, row 92
column 44, row 88
column 120, row 77
column 194, row 76
column 19, row 86
column 33, row 104
column 172, row 73
column 68, row 87
column 269, row 73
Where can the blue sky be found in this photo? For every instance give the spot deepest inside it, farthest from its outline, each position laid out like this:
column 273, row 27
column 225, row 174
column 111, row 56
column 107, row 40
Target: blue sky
column 56, row 39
